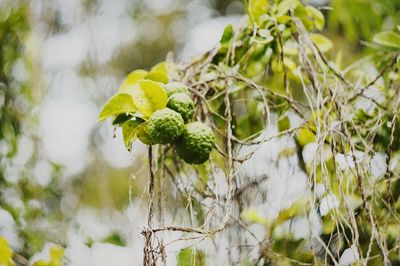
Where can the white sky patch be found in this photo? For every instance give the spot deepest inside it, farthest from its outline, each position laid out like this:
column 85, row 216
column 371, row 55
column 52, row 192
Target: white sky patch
column 67, row 118
column 8, row 230
column 12, row 196
column 19, row 71
column 91, row 225
column 65, row 49
column 311, row 152
column 378, row 165
column 115, row 8
column 286, row 182
column 328, row 203
column 42, row 255
column 299, row 227
column 98, row 36
column 69, row 11
column 4, row 147
column 320, row 190
column 344, row 162
column 178, row 30
column 349, row 256
column 77, row 252
column 104, row 254
column 68, row 204
column 394, row 162
column 105, row 35
column 25, row 150
column 114, row 151
column 66, row 125
column 150, row 29
column 206, row 35
column 367, row 105
column 12, row 173
column 199, row 10
column 42, row 172
column 101, row 254
column 163, row 7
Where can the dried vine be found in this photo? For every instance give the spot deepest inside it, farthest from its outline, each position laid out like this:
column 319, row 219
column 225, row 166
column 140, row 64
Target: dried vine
column 325, row 101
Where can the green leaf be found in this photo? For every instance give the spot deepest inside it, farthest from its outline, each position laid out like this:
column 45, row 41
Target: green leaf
column 5, row 253
column 56, row 255
column 305, row 136
column 121, row 118
column 388, row 39
column 316, row 14
column 143, row 135
column 398, row 62
column 191, row 257
column 298, row 208
column 158, row 76
column 159, row 73
column 132, row 78
column 283, row 124
column 266, row 37
column 328, row 224
column 308, row 23
column 227, row 36
column 283, row 19
column 148, row 96
column 322, row 42
column 203, row 172
column 129, row 131
column 256, row 9
column 286, row 5
column 300, row 11
column 115, row 239
column 41, row 263
column 118, row 104
column 253, row 216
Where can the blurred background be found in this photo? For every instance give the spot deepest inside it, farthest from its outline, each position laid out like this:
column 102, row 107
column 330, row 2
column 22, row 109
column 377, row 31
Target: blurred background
column 65, row 179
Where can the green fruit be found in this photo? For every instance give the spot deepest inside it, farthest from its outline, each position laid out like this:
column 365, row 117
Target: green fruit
column 183, row 104
column 143, row 134
column 164, row 126
column 176, row 87
column 196, row 143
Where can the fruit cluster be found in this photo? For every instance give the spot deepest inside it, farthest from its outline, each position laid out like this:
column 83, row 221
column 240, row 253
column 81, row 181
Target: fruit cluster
column 157, row 112
column 193, row 141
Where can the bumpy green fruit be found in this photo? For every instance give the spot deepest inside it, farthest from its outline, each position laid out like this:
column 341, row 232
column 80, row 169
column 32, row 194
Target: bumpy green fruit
column 176, row 87
column 196, row 143
column 183, row 104
column 165, row 126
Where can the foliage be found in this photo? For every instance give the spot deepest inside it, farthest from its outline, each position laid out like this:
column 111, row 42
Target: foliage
column 276, row 65
column 277, row 77
column 191, row 257
column 5, row 253
column 360, row 20
column 140, row 109
column 56, row 255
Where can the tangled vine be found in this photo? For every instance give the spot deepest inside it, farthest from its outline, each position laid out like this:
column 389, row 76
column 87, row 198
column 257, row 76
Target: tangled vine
column 336, row 126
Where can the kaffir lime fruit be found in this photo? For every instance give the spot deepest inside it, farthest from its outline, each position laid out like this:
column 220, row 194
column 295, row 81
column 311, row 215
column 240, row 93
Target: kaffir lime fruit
column 165, row 126
column 196, row 143
column 176, row 87
column 143, row 134
column 183, row 104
